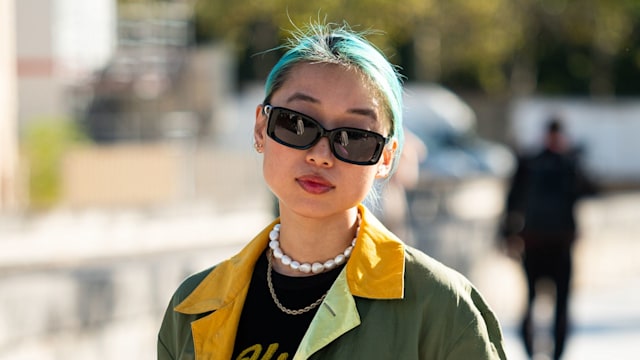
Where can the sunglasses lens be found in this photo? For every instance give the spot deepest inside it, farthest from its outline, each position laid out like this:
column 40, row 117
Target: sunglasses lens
column 301, row 132
column 294, row 130
column 356, row 146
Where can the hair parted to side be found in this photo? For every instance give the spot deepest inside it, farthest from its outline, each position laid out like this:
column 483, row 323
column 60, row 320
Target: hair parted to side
column 338, row 44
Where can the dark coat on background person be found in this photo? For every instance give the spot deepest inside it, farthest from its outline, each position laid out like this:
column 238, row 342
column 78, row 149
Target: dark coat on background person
column 543, row 196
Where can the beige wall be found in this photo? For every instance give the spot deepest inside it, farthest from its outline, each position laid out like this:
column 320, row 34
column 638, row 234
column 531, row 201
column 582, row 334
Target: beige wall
column 123, row 175
column 161, row 175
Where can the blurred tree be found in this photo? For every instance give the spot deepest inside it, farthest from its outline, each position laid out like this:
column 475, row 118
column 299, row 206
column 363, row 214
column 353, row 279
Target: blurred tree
column 44, row 143
column 255, row 27
column 573, row 46
column 475, row 40
column 497, row 46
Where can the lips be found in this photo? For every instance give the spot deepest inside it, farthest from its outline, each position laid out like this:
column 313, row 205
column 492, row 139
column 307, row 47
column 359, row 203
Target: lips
column 314, row 184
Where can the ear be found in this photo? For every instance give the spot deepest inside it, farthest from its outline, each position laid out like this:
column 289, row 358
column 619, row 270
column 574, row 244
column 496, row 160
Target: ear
column 386, row 161
column 260, row 126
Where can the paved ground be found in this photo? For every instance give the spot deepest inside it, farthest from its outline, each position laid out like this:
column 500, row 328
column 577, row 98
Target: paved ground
column 605, row 313
column 93, row 285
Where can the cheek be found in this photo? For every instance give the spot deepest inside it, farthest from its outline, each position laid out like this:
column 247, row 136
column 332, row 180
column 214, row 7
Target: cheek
column 275, row 164
column 271, row 167
column 363, row 181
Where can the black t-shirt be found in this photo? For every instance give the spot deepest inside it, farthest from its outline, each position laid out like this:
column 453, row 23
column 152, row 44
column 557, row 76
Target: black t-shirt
column 265, row 329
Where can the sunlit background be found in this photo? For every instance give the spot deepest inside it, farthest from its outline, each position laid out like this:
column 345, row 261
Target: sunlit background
column 126, row 159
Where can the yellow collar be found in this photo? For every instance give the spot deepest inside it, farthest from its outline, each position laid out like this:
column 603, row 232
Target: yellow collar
column 375, row 269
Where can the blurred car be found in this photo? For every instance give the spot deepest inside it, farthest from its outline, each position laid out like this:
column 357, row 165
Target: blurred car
column 446, row 125
column 455, row 207
column 463, row 176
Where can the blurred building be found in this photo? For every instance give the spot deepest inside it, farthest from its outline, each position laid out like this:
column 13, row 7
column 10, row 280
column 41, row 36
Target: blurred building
column 157, row 85
column 155, row 101
column 139, row 83
column 121, row 73
column 58, row 44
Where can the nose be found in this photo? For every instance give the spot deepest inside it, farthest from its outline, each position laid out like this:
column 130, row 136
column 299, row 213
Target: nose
column 320, row 153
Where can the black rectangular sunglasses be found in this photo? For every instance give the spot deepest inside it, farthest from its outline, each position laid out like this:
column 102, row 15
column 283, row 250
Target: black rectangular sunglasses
column 300, row 131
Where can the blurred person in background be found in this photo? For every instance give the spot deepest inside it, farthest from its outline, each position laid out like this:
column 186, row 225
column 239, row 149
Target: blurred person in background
column 540, row 225
column 326, row 280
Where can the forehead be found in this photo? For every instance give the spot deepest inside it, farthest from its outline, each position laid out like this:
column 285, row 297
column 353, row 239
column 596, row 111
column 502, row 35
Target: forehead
column 316, row 77
column 333, row 86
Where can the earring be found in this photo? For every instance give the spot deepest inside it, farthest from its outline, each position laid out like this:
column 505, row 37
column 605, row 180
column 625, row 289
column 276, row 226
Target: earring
column 382, row 172
column 258, row 147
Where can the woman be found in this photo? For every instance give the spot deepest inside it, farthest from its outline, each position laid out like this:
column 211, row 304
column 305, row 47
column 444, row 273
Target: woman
column 327, row 280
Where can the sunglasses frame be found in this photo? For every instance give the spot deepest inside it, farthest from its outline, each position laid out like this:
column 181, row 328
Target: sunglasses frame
column 268, row 111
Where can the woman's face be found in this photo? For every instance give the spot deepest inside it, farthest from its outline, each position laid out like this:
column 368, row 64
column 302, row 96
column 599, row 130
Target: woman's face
column 314, row 182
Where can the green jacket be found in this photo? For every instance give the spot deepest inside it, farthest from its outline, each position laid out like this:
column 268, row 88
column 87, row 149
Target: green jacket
column 390, row 301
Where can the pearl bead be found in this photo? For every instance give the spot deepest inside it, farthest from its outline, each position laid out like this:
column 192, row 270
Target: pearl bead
column 347, row 251
column 317, row 268
column 329, row 264
column 305, row 268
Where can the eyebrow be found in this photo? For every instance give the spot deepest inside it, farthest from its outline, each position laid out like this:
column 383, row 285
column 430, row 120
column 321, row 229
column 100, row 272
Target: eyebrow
column 298, row 96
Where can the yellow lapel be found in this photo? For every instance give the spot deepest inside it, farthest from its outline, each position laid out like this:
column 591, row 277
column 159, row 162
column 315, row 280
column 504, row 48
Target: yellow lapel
column 376, row 267
column 222, row 292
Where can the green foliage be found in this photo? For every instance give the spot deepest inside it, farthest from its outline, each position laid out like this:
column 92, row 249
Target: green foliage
column 485, row 41
column 44, row 143
column 234, row 21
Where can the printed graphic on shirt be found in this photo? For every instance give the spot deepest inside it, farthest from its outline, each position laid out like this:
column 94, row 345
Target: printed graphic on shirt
column 257, row 352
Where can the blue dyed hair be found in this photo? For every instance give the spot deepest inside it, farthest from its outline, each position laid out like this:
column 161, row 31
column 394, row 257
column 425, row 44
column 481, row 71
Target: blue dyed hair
column 327, row 43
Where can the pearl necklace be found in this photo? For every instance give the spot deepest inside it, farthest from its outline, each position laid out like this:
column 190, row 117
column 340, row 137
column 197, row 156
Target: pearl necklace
column 316, row 267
